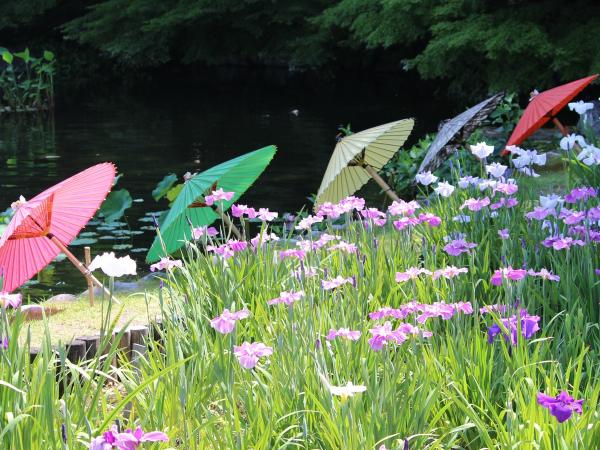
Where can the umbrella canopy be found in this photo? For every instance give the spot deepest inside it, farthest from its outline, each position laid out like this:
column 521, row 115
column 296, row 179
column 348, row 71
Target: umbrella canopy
column 357, row 158
column 543, row 107
column 52, row 219
column 466, row 122
column 235, row 175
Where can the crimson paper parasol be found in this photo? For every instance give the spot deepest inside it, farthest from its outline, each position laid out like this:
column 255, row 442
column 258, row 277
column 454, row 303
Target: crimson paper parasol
column 544, row 107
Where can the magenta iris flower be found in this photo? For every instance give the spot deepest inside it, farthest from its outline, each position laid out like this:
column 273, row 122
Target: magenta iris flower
column 249, row 354
column 562, row 406
column 129, row 440
column 344, row 247
column 507, row 273
column 430, row 219
column 582, row 193
column 198, row 232
column 166, row 264
column 292, row 253
column 243, row 210
column 540, row 213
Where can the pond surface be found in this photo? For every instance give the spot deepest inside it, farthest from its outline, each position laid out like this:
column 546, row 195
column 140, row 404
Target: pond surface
column 160, row 131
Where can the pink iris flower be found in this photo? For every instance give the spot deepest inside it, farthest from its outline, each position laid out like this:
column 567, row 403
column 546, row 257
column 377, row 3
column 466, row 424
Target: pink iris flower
column 249, row 354
column 475, row 204
column 336, row 282
column 265, row 215
column 411, row 274
column 225, row 323
column 217, row 196
column 402, row 208
column 287, row 298
column 344, row 333
column 243, row 210
column 508, row 273
column 198, row 232
column 12, row 300
column 166, row 264
column 129, row 440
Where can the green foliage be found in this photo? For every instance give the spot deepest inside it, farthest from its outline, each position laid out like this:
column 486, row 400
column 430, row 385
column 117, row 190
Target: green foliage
column 26, row 82
column 115, row 205
column 400, row 171
column 508, row 113
column 163, row 186
column 474, row 45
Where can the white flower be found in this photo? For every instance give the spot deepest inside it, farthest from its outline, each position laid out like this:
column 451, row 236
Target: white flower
column 551, row 201
column 529, row 172
column 482, row 150
column 568, row 142
column 590, row 155
column 487, row 184
column 15, row 205
column 465, row 182
column 580, row 107
column 113, row 266
column 426, row 178
column 496, row 169
column 444, row 189
column 514, row 149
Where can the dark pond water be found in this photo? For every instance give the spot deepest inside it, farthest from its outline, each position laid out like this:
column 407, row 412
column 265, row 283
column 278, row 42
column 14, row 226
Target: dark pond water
column 150, row 134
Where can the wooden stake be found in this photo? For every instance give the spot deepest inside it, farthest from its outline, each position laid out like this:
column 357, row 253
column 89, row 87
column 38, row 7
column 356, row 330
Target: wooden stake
column 88, row 260
column 84, row 270
column 380, row 181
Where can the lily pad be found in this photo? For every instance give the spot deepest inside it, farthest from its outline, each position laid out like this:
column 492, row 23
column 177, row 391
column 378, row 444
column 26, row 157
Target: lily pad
column 148, row 228
column 138, row 200
column 84, row 241
column 139, row 250
column 60, row 257
column 115, row 205
column 121, row 246
column 163, row 186
column 88, row 234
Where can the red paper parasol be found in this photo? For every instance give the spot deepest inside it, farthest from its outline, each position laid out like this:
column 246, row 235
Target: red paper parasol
column 43, row 226
column 543, row 107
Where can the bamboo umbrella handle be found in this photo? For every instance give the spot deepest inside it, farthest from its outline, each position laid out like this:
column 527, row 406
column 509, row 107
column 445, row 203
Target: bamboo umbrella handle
column 229, row 223
column 83, row 269
column 380, row 181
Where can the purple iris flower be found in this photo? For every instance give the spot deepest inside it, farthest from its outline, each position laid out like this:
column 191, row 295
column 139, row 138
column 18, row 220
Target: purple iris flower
column 562, row 406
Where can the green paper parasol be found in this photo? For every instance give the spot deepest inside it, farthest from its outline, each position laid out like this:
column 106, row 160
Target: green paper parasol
column 235, row 175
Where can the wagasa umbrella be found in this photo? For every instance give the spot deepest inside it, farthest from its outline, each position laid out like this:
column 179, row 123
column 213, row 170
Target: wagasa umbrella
column 456, row 131
column 357, row 158
column 45, row 225
column 189, row 209
column 544, row 107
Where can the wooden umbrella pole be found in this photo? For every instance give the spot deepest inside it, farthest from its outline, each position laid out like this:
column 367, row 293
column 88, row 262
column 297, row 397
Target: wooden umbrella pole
column 563, row 130
column 84, row 270
column 380, row 181
column 229, row 223
column 87, row 252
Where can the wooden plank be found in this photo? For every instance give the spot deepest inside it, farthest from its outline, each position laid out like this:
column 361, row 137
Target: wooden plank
column 92, row 344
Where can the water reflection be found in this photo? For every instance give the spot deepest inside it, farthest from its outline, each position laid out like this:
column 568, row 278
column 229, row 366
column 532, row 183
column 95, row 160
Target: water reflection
column 190, row 130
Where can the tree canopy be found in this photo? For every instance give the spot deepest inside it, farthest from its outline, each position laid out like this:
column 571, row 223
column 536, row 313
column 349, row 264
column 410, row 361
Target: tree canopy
column 491, row 44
